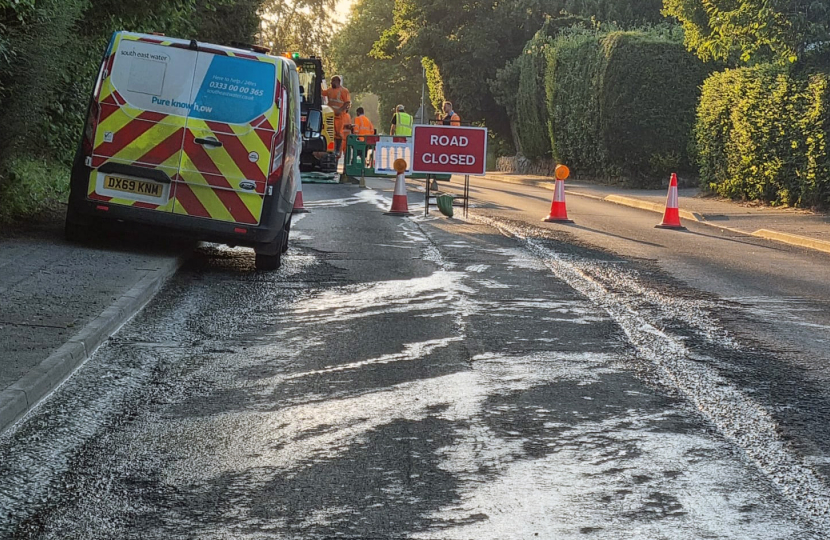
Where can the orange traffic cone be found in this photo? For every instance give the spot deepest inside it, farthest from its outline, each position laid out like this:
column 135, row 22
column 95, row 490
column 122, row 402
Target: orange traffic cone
column 298, row 200
column 400, row 206
column 558, row 211
column 671, row 219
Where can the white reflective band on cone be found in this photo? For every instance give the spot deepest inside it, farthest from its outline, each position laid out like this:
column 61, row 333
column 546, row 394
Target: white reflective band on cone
column 672, row 201
column 559, row 192
column 400, row 184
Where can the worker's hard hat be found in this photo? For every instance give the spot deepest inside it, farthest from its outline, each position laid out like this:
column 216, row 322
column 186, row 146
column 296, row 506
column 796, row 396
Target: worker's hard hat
column 399, row 108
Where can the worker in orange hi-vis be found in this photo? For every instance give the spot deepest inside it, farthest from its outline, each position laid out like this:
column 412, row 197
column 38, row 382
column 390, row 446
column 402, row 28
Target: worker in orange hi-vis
column 348, row 129
column 362, row 124
column 340, row 101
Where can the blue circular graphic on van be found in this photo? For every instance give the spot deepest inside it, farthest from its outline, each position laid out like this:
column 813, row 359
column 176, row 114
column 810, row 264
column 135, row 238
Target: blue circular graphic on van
column 233, row 90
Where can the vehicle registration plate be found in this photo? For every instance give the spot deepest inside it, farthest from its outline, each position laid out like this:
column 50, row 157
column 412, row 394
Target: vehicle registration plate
column 137, row 187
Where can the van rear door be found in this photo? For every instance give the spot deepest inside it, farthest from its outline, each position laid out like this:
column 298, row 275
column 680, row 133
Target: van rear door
column 229, row 137
column 142, row 113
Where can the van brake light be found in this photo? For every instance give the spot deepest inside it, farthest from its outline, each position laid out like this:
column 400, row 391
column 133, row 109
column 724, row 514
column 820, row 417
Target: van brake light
column 91, row 126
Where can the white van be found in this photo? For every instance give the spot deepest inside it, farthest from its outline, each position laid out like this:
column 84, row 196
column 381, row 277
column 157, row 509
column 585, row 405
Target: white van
column 194, row 138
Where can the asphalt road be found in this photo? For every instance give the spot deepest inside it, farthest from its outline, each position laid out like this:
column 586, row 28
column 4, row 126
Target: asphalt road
column 410, row 378
column 773, row 296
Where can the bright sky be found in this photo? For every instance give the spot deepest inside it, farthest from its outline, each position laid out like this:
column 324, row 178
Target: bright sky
column 342, row 10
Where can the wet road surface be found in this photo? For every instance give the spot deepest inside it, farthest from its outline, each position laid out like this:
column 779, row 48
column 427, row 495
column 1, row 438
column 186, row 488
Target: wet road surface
column 771, row 299
column 436, row 379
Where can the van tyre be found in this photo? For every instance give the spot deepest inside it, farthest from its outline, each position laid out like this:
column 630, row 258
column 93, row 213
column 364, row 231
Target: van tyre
column 268, row 263
column 268, row 257
column 285, row 236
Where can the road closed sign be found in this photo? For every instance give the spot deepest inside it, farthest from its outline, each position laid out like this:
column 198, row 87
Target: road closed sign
column 449, row 150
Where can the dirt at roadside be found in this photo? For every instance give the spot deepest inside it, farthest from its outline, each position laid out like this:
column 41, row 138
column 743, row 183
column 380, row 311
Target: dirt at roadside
column 48, row 223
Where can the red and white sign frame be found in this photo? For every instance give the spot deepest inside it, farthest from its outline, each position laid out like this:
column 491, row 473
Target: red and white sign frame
column 451, row 152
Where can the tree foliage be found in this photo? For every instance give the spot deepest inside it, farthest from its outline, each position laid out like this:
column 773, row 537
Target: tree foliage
column 469, row 41
column 305, row 26
column 763, row 132
column 752, row 31
column 394, row 78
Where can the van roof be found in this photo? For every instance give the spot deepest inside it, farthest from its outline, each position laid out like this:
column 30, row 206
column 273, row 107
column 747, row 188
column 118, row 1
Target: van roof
column 208, row 47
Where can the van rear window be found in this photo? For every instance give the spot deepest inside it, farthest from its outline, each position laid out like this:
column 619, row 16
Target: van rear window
column 147, row 77
column 153, row 77
column 232, row 90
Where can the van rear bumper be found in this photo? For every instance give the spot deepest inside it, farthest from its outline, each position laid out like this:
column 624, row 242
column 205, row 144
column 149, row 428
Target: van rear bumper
column 180, row 226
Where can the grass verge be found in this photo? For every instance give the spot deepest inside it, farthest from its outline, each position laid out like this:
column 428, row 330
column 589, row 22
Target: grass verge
column 32, row 187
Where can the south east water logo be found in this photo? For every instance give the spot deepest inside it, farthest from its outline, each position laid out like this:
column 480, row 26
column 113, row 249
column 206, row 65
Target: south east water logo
column 146, row 56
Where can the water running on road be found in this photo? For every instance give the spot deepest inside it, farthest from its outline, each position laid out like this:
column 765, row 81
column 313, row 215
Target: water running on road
column 461, row 384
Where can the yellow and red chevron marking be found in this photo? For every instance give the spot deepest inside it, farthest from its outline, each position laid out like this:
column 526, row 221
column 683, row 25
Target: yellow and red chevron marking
column 210, row 178
column 199, row 200
column 232, row 158
column 147, row 139
column 134, row 137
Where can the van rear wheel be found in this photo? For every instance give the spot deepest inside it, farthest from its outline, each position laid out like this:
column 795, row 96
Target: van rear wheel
column 285, row 236
column 268, row 256
column 268, row 263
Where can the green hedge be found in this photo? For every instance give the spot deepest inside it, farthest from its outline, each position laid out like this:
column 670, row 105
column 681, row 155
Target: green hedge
column 762, row 134
column 649, row 94
column 34, row 184
column 571, row 82
column 531, row 112
column 622, row 104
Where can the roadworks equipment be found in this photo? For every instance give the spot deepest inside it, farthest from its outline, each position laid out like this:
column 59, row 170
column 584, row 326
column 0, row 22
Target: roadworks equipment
column 558, row 210
column 671, row 218
column 400, row 205
column 444, row 203
column 298, row 200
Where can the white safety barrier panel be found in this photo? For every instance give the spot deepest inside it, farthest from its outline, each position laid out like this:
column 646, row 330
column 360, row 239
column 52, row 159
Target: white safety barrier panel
column 388, row 149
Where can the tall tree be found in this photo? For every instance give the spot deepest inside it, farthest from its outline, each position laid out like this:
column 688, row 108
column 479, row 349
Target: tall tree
column 393, row 77
column 236, row 21
column 468, row 41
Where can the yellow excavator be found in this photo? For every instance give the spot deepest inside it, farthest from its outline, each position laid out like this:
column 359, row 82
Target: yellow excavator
column 317, row 119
